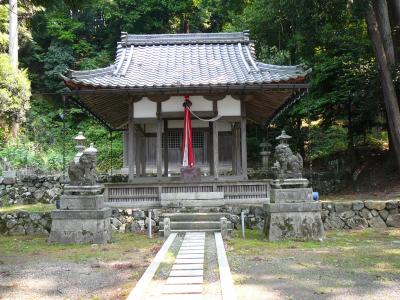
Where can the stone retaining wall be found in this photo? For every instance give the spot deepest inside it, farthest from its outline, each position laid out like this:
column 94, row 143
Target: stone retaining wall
column 30, row 190
column 361, row 214
column 335, row 215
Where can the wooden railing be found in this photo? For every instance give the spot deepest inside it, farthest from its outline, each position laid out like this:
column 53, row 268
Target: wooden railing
column 147, row 195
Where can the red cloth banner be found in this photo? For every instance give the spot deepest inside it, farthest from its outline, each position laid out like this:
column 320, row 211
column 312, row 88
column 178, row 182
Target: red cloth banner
column 187, row 147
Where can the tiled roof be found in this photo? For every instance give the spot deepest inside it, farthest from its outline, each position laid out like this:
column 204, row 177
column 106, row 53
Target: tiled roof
column 185, row 60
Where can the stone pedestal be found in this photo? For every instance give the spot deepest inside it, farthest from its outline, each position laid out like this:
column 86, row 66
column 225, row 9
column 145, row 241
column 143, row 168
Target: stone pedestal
column 82, row 217
column 292, row 214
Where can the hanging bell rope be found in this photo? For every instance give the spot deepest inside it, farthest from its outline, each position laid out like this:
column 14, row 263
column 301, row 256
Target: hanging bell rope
column 205, row 120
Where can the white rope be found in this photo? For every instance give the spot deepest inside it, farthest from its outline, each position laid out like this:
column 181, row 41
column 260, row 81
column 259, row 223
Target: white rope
column 205, row 120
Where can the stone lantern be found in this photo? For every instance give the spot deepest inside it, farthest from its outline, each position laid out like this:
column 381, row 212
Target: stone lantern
column 80, row 146
column 265, row 153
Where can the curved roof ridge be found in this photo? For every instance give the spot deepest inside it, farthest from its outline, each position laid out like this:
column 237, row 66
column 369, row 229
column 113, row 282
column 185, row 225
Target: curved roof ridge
column 185, row 38
column 89, row 73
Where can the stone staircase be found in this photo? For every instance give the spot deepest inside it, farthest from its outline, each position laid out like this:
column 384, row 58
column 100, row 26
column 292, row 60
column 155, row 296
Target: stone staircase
column 195, row 222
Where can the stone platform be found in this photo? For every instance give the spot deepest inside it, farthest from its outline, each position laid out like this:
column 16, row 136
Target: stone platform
column 293, row 220
column 82, row 217
column 292, row 213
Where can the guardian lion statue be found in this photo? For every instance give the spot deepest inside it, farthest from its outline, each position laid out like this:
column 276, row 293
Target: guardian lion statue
column 289, row 165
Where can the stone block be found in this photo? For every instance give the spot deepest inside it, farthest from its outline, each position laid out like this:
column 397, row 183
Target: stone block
column 291, row 195
column 292, row 207
column 347, row 214
column 358, row 205
column 167, row 227
column 333, row 221
column 377, row 205
column 293, row 221
column 365, row 213
column 391, row 204
column 357, row 222
column 224, row 227
column 374, row 213
column 393, row 220
column 384, row 214
column 83, row 202
column 377, row 222
column 81, row 226
column 343, row 206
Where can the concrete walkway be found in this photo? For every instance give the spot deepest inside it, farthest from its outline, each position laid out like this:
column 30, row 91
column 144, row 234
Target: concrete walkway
column 185, row 279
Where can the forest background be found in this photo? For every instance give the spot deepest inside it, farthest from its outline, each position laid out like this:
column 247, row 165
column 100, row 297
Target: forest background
column 342, row 118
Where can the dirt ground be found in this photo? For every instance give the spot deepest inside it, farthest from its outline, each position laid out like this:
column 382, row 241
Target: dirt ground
column 32, row 269
column 347, row 265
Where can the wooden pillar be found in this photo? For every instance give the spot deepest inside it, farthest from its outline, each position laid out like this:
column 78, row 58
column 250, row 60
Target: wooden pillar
column 234, row 149
column 244, row 140
column 143, row 151
column 166, row 157
column 210, row 149
column 215, row 149
column 138, row 143
column 237, row 147
column 159, row 148
column 132, row 144
column 125, row 138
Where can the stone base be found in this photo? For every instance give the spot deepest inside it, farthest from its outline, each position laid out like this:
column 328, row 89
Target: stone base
column 289, row 195
column 190, row 174
column 81, row 226
column 289, row 183
column 300, row 221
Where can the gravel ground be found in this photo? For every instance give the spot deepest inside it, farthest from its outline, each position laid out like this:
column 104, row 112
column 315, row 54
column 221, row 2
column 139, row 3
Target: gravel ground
column 65, row 280
column 303, row 274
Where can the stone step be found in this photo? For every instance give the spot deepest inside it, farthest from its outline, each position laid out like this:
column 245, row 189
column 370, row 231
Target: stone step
column 198, row 230
column 182, row 217
column 195, row 225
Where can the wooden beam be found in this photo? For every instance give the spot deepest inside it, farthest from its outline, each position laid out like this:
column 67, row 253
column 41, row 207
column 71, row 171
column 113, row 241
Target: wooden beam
column 132, row 146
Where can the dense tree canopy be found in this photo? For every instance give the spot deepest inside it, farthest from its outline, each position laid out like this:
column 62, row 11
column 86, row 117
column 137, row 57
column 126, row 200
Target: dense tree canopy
column 344, row 101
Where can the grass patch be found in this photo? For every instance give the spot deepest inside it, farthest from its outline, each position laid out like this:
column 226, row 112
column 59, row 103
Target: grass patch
column 370, row 251
column 31, row 208
column 123, row 244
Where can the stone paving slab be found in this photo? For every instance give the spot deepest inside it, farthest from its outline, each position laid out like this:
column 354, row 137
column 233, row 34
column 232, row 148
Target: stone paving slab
column 184, row 297
column 192, row 243
column 189, row 261
column 183, row 289
column 185, row 280
column 185, row 273
column 190, row 255
column 195, row 251
column 195, row 247
column 188, row 267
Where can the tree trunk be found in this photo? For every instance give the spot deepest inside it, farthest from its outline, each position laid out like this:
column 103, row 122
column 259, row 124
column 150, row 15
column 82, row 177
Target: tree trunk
column 382, row 16
column 351, row 154
column 389, row 93
column 13, row 32
column 396, row 11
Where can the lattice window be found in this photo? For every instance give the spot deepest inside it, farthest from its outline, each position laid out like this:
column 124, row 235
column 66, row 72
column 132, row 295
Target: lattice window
column 175, row 139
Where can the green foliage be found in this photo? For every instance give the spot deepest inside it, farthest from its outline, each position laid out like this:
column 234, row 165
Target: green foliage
column 14, row 92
